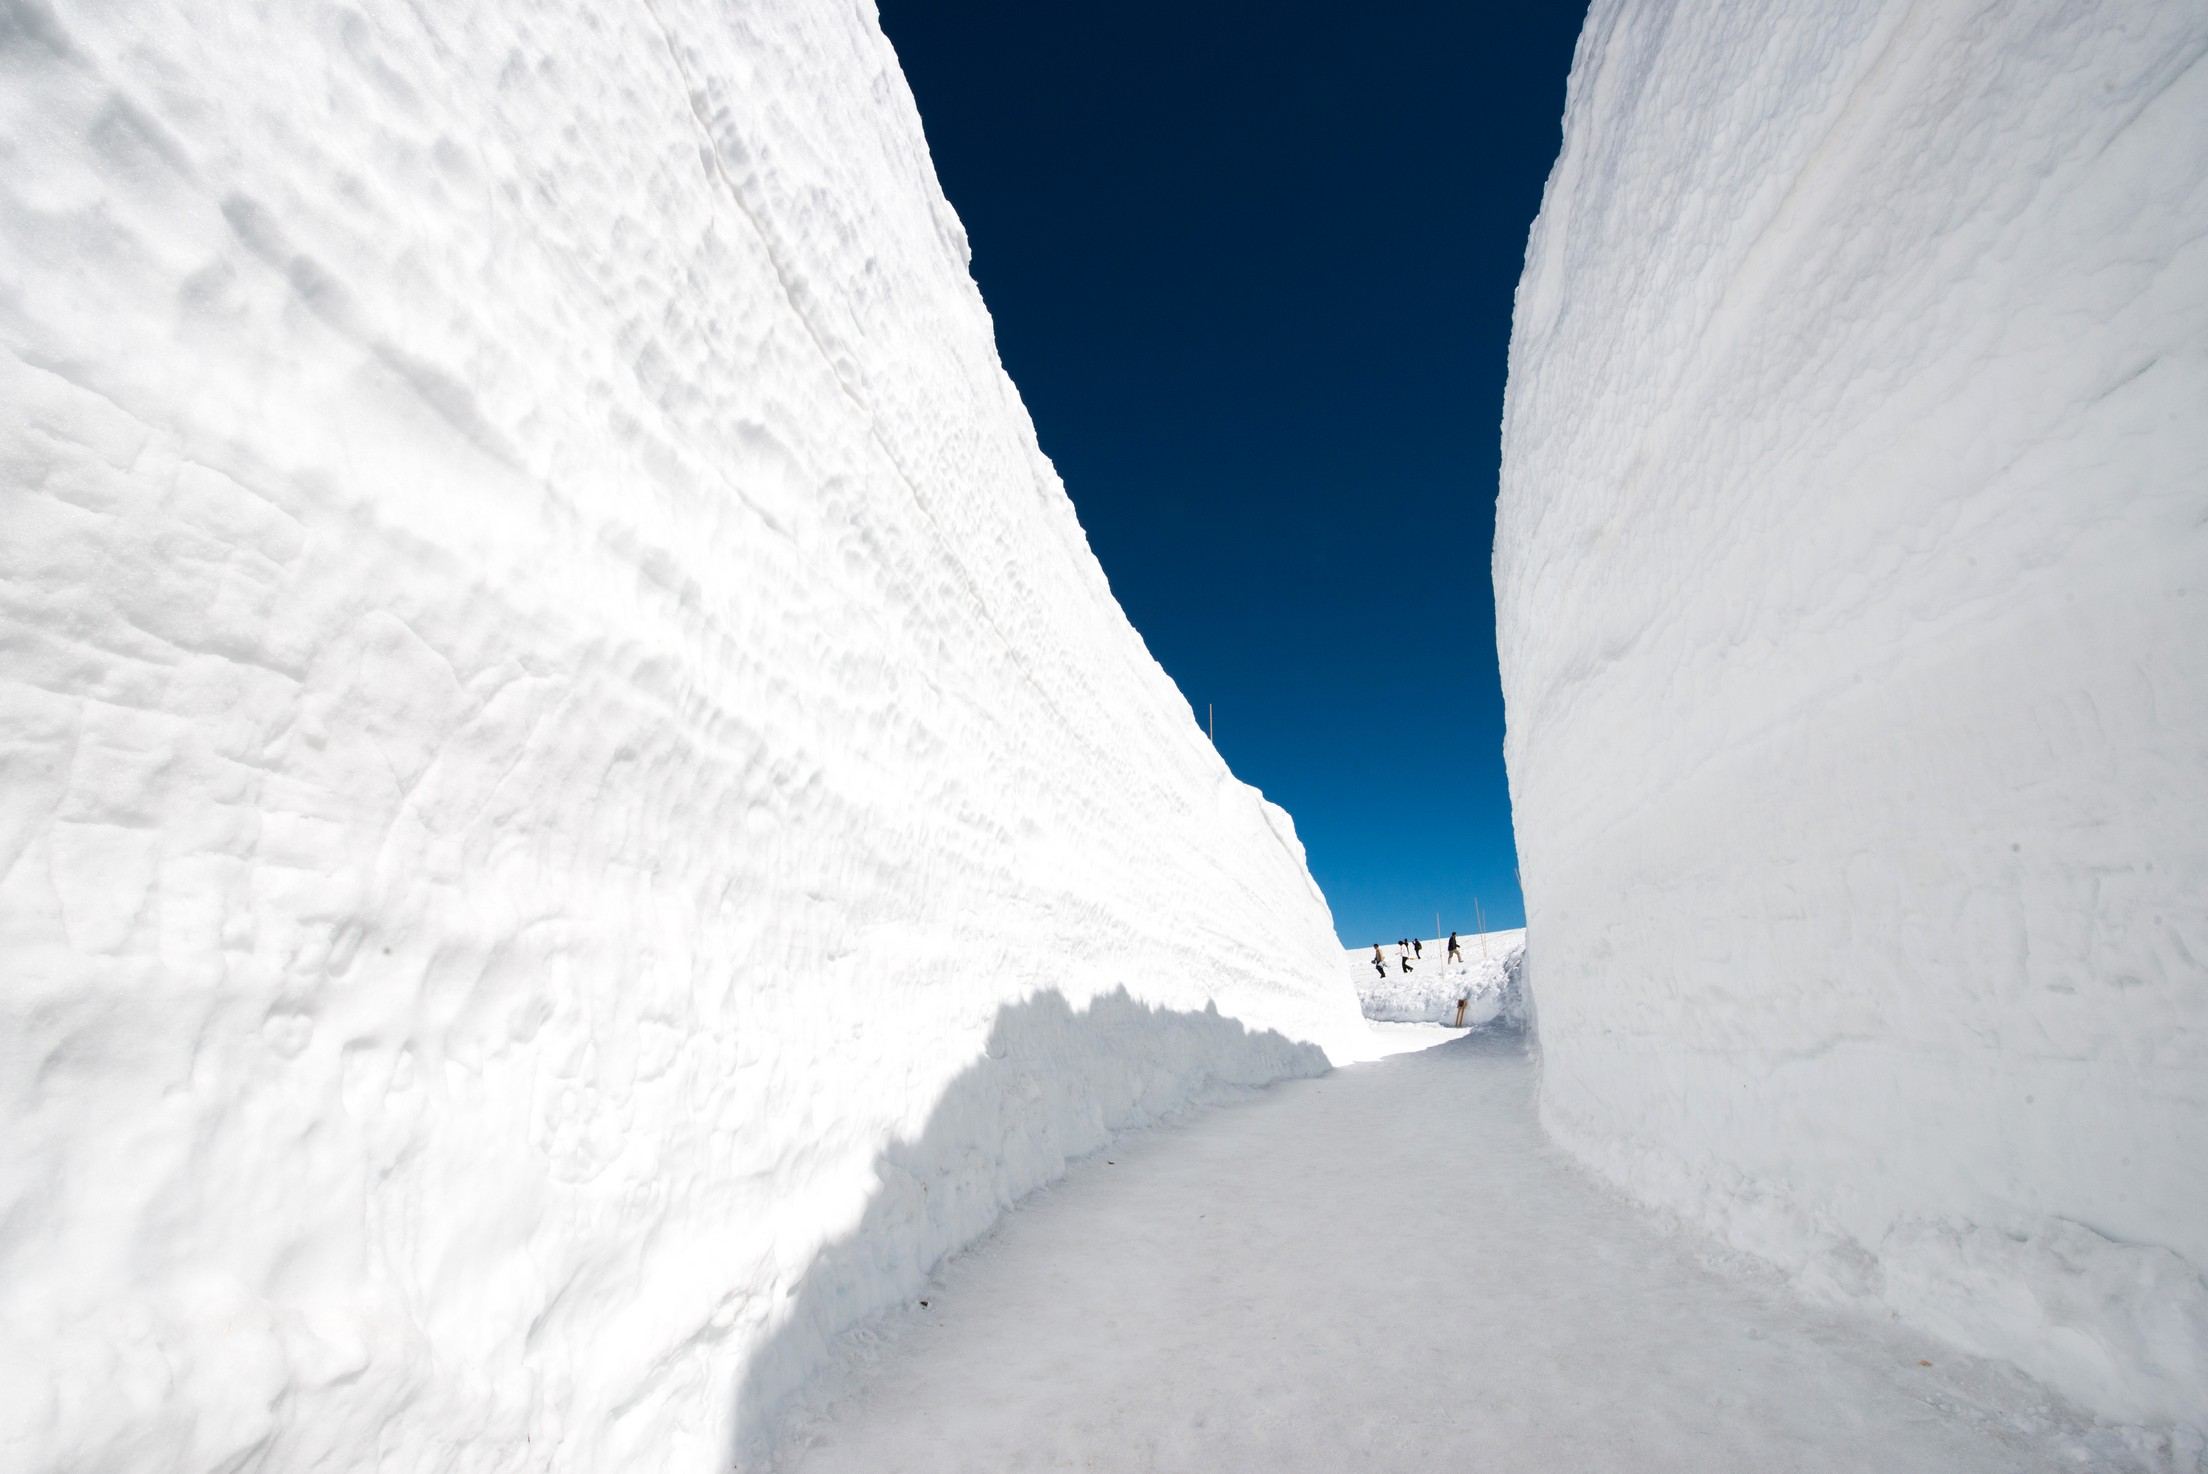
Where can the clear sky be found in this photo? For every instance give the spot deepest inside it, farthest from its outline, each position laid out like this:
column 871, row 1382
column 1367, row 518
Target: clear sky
column 1251, row 268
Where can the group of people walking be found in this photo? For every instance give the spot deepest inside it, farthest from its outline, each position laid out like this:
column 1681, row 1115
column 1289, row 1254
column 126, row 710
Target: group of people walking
column 1408, row 950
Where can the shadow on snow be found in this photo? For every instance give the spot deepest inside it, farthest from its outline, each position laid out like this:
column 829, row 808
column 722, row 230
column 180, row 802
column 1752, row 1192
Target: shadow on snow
column 1052, row 1084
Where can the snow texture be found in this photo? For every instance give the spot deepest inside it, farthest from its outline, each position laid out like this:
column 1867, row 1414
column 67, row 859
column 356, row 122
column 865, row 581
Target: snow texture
column 1852, row 573
column 1390, row 1269
column 562, row 750
column 1486, row 980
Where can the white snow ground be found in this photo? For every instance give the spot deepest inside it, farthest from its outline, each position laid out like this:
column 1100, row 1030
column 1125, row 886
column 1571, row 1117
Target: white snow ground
column 1486, row 979
column 1852, row 580
column 561, row 747
column 1390, row 1269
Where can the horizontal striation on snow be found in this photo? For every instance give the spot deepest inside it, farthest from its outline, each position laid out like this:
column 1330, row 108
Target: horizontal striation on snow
column 1852, row 581
column 551, row 710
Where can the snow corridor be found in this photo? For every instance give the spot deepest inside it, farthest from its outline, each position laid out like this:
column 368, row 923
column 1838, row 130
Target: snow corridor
column 1389, row 1268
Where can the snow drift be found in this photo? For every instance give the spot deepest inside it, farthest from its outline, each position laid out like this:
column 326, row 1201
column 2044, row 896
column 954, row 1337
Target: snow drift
column 1486, row 980
column 1852, row 572
column 551, row 708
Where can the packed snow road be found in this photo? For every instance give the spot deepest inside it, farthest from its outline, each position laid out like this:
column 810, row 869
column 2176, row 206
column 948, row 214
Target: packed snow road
column 1389, row 1269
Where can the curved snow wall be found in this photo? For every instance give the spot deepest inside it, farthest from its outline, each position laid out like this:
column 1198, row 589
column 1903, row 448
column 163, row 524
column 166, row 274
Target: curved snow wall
column 1852, row 573
column 551, row 711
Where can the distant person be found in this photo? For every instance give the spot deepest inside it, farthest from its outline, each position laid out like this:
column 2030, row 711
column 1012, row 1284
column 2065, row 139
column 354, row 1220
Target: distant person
column 1402, row 957
column 1379, row 963
column 1418, row 948
column 1454, row 954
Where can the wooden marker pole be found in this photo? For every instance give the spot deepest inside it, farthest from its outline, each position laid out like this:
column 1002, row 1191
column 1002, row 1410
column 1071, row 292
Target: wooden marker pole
column 1479, row 919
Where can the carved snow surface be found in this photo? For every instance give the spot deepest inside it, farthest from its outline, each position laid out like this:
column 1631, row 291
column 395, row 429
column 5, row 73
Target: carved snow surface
column 561, row 747
column 1852, row 573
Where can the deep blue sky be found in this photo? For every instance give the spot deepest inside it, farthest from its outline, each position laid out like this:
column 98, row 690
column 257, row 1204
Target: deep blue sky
column 1251, row 268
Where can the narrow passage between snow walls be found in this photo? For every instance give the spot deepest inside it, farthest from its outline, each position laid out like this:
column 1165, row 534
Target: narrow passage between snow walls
column 1390, row 1267
column 578, row 811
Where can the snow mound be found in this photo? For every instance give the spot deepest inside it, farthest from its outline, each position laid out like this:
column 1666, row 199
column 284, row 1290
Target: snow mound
column 552, row 710
column 1850, row 562
column 1486, row 980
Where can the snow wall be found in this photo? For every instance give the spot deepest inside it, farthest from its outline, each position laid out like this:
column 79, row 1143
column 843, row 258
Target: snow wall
column 1852, row 580
column 576, row 807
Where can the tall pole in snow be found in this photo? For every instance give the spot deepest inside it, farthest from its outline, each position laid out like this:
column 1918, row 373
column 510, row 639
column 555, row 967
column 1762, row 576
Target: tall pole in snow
column 1479, row 919
column 1211, row 726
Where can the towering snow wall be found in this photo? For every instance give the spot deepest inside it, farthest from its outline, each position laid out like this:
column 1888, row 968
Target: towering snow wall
column 575, row 803
column 1852, row 573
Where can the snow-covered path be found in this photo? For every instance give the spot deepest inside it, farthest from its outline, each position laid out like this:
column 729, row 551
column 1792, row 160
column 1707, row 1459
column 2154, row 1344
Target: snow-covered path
column 1387, row 1269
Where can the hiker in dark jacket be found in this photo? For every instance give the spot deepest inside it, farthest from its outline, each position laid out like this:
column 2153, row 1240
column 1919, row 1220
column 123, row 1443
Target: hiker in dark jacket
column 1454, row 954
